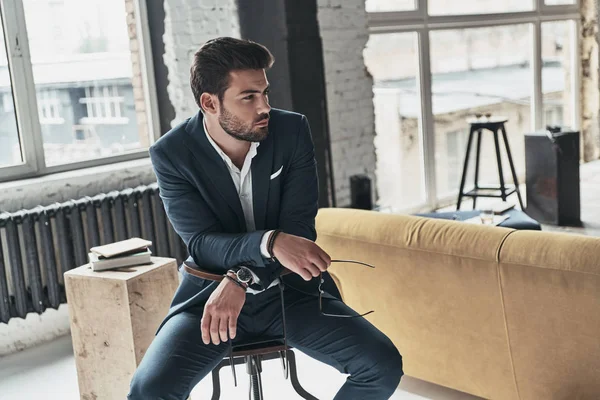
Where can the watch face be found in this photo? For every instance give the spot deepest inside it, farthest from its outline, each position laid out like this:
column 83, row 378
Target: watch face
column 244, row 275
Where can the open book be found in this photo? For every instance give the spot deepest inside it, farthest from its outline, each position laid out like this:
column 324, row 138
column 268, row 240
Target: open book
column 498, row 219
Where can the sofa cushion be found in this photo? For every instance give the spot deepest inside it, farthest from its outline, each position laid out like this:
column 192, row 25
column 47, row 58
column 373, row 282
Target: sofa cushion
column 551, row 290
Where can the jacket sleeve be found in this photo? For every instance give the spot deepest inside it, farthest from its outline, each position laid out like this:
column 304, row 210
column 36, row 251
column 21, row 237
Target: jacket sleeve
column 300, row 195
column 195, row 223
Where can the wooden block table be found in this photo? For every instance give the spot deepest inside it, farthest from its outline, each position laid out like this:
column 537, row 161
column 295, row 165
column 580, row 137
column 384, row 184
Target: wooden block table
column 114, row 316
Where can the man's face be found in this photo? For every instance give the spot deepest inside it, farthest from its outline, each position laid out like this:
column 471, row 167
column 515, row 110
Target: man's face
column 244, row 112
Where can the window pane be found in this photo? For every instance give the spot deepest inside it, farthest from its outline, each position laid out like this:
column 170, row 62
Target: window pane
column 479, row 71
column 10, row 147
column 390, row 5
column 87, row 78
column 392, row 59
column 557, row 69
column 454, row 7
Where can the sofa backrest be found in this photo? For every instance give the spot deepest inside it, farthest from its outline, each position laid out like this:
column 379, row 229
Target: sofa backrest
column 452, row 296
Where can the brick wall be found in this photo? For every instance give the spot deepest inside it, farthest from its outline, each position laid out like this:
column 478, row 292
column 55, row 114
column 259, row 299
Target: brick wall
column 590, row 81
column 343, row 25
column 188, row 24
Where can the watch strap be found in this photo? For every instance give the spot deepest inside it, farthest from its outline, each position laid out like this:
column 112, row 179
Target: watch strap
column 234, row 280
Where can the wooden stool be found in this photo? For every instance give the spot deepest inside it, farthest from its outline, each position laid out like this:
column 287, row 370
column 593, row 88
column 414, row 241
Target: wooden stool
column 252, row 354
column 114, row 316
column 495, row 125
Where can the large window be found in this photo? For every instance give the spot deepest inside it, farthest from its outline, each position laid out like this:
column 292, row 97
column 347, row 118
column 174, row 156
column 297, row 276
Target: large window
column 558, row 39
column 479, row 71
column 436, row 63
column 79, row 80
column 397, row 110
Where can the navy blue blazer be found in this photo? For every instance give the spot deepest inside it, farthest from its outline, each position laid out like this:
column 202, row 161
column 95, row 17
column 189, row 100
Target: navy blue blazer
column 203, row 205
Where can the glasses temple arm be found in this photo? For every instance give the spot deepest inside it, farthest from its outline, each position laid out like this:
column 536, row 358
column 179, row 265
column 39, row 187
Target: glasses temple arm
column 353, row 262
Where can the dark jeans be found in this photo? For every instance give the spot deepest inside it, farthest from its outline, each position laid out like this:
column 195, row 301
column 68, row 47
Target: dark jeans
column 177, row 359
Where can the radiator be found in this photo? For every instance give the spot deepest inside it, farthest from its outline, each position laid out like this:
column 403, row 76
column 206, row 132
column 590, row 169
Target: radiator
column 37, row 246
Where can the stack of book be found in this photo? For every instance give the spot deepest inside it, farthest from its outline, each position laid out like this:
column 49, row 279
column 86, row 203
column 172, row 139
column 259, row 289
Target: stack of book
column 125, row 253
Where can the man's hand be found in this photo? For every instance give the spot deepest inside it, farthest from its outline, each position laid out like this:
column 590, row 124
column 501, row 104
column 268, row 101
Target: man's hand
column 221, row 312
column 300, row 255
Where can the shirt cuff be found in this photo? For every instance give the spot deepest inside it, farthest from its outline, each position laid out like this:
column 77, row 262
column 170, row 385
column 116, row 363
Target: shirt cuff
column 263, row 244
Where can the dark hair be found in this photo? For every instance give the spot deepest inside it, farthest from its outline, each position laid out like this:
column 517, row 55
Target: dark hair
column 218, row 57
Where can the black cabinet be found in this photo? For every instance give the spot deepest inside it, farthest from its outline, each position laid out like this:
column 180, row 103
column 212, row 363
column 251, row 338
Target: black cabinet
column 553, row 183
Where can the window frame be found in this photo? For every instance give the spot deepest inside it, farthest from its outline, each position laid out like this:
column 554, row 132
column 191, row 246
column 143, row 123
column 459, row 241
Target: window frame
column 422, row 23
column 24, row 95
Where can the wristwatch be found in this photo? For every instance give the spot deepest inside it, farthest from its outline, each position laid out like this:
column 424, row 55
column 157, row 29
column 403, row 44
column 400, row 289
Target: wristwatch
column 243, row 275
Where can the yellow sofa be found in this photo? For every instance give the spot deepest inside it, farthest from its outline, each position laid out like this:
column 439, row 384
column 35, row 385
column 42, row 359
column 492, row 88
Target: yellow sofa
column 498, row 313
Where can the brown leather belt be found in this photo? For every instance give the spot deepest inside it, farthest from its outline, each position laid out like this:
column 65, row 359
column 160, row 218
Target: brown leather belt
column 193, row 269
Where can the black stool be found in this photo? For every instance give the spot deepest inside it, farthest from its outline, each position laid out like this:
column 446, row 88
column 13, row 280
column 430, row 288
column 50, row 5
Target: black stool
column 495, row 125
column 253, row 354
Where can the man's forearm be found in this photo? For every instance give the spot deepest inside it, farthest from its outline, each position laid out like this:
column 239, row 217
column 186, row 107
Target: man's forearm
column 226, row 250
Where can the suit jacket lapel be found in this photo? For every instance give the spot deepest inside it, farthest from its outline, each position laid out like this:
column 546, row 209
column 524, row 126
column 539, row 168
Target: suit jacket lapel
column 214, row 167
column 262, row 165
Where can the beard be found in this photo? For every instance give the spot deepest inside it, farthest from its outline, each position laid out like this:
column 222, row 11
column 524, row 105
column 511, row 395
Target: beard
column 243, row 131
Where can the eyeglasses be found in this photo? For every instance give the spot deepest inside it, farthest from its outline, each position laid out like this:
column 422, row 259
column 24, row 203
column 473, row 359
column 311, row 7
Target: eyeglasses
column 321, row 281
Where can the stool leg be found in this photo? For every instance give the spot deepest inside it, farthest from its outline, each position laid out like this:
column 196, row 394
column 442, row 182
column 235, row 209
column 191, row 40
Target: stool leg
column 465, row 168
column 254, row 369
column 512, row 167
column 283, row 357
column 294, row 378
column 478, row 156
column 500, row 172
column 256, row 392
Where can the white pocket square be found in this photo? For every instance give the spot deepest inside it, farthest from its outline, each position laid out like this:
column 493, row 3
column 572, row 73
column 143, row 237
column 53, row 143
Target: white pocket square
column 276, row 174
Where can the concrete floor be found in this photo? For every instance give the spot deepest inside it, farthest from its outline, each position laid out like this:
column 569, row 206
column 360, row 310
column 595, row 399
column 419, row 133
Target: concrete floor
column 48, row 372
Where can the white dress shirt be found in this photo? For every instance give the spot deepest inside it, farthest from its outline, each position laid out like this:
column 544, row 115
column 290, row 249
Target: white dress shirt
column 242, row 179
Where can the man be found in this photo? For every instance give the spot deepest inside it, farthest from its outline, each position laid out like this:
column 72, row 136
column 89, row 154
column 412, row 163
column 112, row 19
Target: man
column 238, row 181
